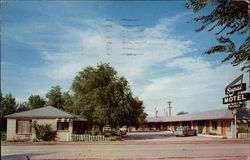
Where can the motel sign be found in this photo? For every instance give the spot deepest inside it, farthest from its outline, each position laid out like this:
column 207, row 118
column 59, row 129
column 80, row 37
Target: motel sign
column 235, row 98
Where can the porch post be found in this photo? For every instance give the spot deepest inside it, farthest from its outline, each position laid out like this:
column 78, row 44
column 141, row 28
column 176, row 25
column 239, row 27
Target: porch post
column 70, row 129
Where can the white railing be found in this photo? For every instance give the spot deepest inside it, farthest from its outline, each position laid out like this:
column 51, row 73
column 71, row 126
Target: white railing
column 243, row 135
column 88, row 137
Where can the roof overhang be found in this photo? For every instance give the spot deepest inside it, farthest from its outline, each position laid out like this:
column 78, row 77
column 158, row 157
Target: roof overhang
column 39, row 117
column 188, row 120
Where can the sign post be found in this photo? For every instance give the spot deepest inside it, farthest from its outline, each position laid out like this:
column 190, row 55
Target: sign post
column 235, row 98
column 235, row 123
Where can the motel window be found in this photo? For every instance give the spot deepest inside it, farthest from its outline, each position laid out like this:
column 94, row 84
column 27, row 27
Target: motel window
column 62, row 125
column 214, row 125
column 23, row 126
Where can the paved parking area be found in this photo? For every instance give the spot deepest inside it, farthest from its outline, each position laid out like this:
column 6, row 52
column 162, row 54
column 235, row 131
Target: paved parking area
column 136, row 146
column 162, row 136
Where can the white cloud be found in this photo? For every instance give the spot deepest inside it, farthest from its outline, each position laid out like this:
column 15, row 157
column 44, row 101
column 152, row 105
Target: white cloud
column 163, row 72
column 86, row 45
column 198, row 86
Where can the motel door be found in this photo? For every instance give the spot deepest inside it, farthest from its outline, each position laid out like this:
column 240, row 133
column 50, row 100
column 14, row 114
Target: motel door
column 223, row 128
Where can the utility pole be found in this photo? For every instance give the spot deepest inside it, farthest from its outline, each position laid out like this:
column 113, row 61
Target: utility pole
column 169, row 108
column 156, row 112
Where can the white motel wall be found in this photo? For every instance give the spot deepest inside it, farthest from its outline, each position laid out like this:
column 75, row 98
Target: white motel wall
column 19, row 125
column 13, row 134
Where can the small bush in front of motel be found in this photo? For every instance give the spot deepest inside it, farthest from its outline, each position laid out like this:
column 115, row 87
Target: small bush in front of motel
column 44, row 132
column 3, row 136
column 115, row 138
column 242, row 130
column 200, row 129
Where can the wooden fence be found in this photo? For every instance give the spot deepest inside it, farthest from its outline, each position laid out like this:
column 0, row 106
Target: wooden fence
column 88, row 138
column 243, row 135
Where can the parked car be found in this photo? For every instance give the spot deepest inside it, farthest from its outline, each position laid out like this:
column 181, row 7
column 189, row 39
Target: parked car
column 123, row 130
column 109, row 131
column 185, row 131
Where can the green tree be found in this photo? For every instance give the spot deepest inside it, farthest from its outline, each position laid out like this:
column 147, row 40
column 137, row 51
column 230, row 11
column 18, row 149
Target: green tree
column 105, row 98
column 54, row 97
column 23, row 106
column 230, row 17
column 181, row 113
column 137, row 114
column 35, row 101
column 8, row 106
column 68, row 103
column 142, row 117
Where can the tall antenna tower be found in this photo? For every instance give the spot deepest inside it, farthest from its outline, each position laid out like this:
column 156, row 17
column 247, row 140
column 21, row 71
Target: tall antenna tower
column 169, row 108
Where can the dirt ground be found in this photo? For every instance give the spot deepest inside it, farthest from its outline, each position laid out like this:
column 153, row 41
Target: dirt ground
column 135, row 146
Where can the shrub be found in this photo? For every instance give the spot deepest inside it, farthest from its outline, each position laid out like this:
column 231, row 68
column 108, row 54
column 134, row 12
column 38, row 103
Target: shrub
column 242, row 130
column 115, row 138
column 87, row 132
column 93, row 132
column 44, row 132
column 3, row 136
column 35, row 140
column 200, row 129
column 100, row 133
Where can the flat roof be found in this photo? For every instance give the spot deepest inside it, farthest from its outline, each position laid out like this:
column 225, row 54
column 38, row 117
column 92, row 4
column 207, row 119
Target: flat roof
column 207, row 115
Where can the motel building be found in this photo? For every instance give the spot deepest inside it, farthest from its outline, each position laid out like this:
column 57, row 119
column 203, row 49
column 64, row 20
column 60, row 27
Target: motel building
column 19, row 125
column 214, row 122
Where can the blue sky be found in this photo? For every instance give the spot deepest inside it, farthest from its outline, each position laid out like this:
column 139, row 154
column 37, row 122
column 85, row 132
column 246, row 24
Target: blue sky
column 46, row 43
